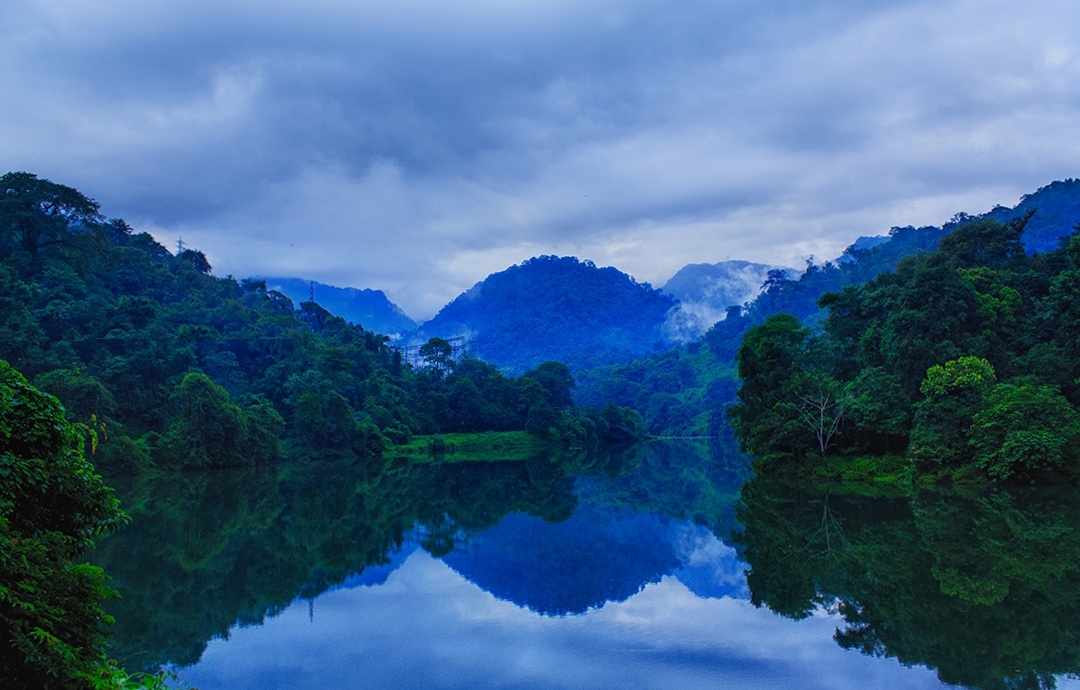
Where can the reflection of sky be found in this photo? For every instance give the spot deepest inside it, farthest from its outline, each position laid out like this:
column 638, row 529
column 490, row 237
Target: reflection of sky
column 426, row 626
column 710, row 568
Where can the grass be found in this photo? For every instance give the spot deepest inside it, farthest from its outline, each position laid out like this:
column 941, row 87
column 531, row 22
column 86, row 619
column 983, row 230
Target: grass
column 887, row 469
column 482, row 447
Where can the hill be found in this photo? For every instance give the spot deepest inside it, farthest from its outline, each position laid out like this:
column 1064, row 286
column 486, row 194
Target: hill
column 186, row 369
column 552, row 307
column 1056, row 212
column 363, row 307
column 685, row 390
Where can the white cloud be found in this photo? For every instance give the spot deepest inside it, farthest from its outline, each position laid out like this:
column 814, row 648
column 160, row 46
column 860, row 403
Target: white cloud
column 419, row 146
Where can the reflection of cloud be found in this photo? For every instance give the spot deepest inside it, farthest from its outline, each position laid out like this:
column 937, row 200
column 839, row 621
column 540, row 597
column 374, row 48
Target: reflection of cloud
column 710, row 568
column 427, row 627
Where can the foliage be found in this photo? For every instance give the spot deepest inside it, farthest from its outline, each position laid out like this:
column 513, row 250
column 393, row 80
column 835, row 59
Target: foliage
column 982, row 586
column 186, row 369
column 1025, row 430
column 954, row 392
column 965, row 357
column 52, row 509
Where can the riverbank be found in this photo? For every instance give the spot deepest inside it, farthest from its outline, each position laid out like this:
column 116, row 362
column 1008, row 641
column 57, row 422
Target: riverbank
column 479, row 447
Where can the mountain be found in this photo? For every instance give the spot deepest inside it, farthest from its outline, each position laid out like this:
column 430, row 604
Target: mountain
column 599, row 554
column 705, row 291
column 1057, row 212
column 684, row 392
column 555, row 308
column 368, row 308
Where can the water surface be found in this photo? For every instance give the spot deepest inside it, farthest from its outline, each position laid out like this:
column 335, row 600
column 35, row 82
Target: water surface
column 640, row 567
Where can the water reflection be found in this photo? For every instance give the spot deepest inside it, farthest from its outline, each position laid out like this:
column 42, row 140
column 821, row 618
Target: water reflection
column 602, row 570
column 428, row 627
column 209, row 550
column 982, row 585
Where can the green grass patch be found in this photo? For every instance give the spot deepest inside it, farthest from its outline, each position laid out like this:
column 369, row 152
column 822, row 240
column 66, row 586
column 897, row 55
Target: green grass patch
column 483, row 447
column 886, row 469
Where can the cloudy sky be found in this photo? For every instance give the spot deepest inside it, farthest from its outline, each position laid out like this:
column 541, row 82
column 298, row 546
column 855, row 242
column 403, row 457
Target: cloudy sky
column 416, row 146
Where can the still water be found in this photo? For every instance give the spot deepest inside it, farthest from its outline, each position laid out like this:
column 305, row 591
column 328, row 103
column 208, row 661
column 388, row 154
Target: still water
column 659, row 566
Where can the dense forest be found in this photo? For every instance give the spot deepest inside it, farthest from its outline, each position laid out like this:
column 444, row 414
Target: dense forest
column 965, row 358
column 681, row 391
column 179, row 368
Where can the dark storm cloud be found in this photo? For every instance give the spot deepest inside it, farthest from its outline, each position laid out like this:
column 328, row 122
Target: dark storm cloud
column 416, row 146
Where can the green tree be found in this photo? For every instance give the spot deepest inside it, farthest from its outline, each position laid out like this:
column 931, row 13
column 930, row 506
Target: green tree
column 436, row 354
column 953, row 393
column 52, row 508
column 35, row 212
column 767, row 419
column 208, row 429
column 1026, row 430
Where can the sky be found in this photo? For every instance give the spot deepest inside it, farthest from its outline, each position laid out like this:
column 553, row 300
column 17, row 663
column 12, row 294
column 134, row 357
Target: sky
column 417, row 146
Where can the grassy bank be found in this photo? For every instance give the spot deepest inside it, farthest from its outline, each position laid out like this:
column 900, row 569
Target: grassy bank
column 878, row 470
column 487, row 446
column 888, row 469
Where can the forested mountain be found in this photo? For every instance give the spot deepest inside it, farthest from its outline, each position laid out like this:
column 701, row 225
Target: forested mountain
column 1057, row 211
column 552, row 307
column 679, row 392
column 179, row 368
column 966, row 358
column 365, row 307
column 705, row 291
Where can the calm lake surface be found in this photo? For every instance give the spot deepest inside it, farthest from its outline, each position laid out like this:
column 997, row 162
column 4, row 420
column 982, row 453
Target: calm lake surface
column 660, row 566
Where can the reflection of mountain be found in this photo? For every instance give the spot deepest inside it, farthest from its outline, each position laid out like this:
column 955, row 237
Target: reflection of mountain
column 600, row 554
column 375, row 575
column 208, row 550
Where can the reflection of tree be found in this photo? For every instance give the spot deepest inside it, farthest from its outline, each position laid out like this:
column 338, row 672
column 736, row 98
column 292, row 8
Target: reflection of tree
column 985, row 587
column 207, row 550
column 687, row 479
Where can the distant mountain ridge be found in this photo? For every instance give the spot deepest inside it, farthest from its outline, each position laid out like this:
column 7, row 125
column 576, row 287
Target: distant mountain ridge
column 365, row 307
column 1057, row 212
column 556, row 308
column 568, row 309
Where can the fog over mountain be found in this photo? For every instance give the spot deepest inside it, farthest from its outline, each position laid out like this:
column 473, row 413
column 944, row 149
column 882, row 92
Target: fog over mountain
column 705, row 291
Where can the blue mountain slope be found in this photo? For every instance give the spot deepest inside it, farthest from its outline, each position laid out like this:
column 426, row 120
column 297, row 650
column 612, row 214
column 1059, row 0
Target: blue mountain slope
column 556, row 308
column 368, row 308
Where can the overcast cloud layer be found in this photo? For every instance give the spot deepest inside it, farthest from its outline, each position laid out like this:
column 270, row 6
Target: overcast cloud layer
column 417, row 146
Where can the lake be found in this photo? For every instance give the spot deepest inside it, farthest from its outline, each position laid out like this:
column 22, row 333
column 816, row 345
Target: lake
column 659, row 566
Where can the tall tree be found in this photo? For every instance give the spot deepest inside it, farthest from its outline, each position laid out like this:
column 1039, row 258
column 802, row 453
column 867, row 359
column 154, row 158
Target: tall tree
column 36, row 212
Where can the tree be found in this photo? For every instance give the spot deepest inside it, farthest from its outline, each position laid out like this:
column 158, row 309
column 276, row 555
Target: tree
column 954, row 392
column 1025, row 429
column 52, row 508
column 767, row 419
column 556, row 381
column 822, row 404
column 436, row 355
column 36, row 212
column 209, row 429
